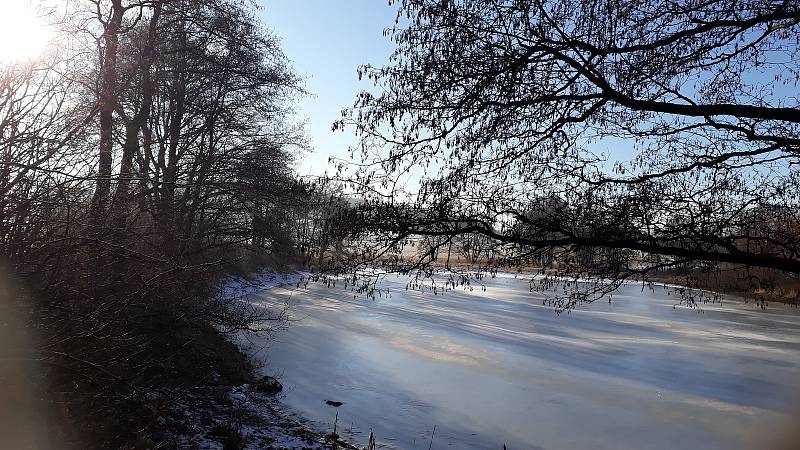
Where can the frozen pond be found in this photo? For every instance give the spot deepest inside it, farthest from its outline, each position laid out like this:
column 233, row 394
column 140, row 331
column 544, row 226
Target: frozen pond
column 497, row 367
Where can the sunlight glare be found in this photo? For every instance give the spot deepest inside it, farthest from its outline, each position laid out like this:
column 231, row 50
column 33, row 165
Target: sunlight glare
column 23, row 35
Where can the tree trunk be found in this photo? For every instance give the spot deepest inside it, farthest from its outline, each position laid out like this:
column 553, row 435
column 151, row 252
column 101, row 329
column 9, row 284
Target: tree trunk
column 166, row 210
column 107, row 102
column 122, row 195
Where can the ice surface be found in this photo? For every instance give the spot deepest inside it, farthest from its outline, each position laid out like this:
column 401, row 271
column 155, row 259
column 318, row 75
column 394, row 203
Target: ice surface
column 497, row 367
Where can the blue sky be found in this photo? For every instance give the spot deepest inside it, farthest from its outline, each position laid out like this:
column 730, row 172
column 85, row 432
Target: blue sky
column 326, row 41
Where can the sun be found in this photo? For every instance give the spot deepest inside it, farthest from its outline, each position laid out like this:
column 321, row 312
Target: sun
column 23, row 34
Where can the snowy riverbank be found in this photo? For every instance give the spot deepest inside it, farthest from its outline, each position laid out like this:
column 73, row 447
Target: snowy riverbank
column 222, row 417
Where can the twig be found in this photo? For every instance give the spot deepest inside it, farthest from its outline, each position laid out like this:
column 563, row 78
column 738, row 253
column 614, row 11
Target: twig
column 432, row 433
column 335, row 436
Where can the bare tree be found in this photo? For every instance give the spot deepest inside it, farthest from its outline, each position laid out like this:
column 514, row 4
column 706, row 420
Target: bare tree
column 660, row 127
column 111, row 19
column 139, row 163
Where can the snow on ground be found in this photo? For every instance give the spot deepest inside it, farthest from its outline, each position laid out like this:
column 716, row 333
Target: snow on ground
column 212, row 417
column 497, row 366
column 264, row 280
column 217, row 417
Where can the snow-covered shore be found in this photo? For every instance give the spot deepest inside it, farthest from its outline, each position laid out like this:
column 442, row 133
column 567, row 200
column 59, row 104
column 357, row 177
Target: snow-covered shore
column 217, row 417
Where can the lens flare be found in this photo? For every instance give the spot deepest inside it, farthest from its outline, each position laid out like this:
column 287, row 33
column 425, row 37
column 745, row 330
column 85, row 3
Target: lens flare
column 23, row 34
